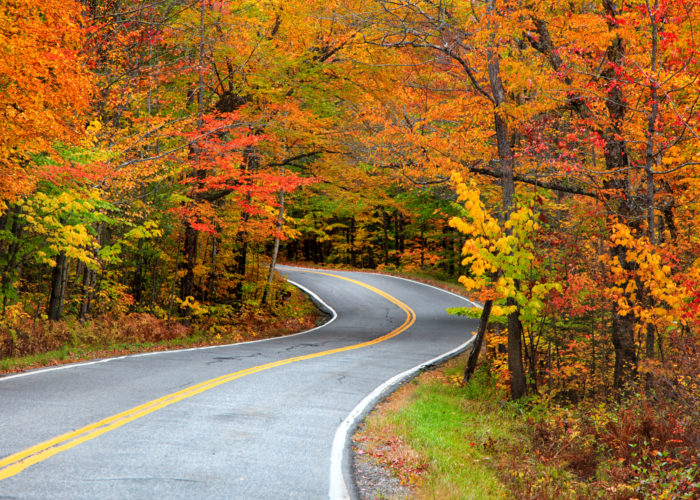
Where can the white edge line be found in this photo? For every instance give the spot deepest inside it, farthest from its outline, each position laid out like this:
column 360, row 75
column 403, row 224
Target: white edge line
column 313, row 296
column 338, row 489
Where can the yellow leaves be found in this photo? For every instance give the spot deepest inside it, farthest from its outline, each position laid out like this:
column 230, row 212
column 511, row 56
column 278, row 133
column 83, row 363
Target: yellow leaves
column 647, row 267
column 500, row 259
column 61, row 223
column 196, row 309
column 92, row 132
column 468, row 283
column 478, row 267
column 623, row 307
column 148, row 230
column 502, row 311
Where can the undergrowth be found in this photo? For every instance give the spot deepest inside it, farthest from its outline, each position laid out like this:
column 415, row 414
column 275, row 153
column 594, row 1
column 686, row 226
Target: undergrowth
column 467, row 441
column 29, row 342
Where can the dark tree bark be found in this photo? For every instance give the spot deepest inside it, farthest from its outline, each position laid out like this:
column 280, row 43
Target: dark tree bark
column 385, row 241
column 11, row 270
column 275, row 249
column 617, row 182
column 353, row 250
column 188, row 264
column 478, row 341
column 57, row 288
column 88, row 284
column 616, row 159
column 137, row 283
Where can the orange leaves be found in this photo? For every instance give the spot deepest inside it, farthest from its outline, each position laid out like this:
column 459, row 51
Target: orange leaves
column 44, row 89
column 649, row 284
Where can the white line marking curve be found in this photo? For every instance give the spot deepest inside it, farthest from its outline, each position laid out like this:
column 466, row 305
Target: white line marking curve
column 338, row 489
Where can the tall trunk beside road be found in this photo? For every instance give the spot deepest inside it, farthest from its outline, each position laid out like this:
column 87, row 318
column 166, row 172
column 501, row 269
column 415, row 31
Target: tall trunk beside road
column 518, row 387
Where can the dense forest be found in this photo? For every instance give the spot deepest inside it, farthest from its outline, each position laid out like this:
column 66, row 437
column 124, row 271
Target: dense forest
column 158, row 157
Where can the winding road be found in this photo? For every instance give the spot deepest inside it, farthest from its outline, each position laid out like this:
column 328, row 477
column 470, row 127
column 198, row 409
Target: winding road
column 257, row 420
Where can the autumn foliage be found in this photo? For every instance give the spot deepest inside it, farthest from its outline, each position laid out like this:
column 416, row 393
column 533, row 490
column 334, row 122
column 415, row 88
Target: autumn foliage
column 155, row 156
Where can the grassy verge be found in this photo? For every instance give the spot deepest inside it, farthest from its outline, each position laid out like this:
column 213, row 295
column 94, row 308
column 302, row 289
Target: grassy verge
column 37, row 343
column 441, row 437
column 451, row 441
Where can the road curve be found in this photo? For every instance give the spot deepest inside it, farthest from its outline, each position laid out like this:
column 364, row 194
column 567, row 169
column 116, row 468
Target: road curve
column 246, row 421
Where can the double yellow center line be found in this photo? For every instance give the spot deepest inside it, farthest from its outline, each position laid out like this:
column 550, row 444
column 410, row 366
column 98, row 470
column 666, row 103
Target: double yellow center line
column 16, row 463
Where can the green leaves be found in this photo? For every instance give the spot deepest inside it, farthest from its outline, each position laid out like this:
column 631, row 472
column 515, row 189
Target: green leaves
column 502, row 259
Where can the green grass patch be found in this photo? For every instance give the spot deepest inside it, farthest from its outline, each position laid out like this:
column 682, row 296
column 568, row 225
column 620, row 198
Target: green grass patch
column 467, row 441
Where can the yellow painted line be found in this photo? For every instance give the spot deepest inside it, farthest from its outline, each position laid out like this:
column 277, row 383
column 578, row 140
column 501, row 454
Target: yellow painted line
column 16, row 463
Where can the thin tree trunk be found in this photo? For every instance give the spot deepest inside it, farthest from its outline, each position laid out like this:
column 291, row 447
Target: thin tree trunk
column 649, row 163
column 192, row 235
column 353, row 251
column 138, row 281
column 188, row 264
column 275, row 249
column 12, row 271
column 172, row 286
column 87, row 294
column 54, row 309
column 385, row 243
column 64, row 284
column 422, row 245
column 478, row 341
column 213, row 277
column 518, row 387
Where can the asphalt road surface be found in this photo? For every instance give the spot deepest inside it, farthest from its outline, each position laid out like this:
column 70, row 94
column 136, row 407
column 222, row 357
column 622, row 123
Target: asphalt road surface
column 246, row 421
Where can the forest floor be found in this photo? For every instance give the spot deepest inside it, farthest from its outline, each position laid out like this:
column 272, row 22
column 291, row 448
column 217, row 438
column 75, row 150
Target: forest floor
column 37, row 343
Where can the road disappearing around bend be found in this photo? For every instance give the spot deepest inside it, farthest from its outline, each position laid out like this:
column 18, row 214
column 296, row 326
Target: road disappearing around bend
column 253, row 420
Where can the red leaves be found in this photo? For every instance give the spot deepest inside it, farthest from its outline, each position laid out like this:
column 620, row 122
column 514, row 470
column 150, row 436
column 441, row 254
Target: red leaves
column 226, row 161
column 203, row 227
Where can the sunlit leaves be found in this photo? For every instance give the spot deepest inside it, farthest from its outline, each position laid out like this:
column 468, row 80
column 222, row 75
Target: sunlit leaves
column 501, row 260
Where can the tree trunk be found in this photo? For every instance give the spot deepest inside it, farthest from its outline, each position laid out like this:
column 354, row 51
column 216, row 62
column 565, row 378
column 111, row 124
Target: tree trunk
column 240, row 264
column 57, row 288
column 275, row 249
column 353, row 251
column 11, row 271
column 137, row 283
column 518, row 385
column 212, row 279
column 64, row 287
column 478, row 341
column 615, row 160
column 385, row 243
column 422, row 245
column 188, row 264
column 191, row 235
column 650, row 159
column 88, row 283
